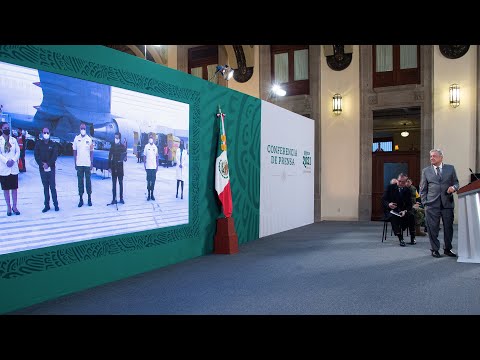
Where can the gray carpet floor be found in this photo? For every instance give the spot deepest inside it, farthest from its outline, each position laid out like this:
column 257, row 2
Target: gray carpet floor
column 327, row 268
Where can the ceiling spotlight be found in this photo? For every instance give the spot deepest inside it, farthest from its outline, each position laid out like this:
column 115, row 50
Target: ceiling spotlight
column 405, row 133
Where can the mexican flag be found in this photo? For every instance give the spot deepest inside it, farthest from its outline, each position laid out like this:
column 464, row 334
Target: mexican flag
column 222, row 176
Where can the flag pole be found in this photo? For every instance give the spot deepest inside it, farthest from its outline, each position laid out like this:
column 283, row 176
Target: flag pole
column 226, row 239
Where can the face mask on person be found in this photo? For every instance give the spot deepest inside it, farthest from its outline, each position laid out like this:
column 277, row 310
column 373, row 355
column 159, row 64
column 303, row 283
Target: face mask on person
column 117, row 141
column 46, row 136
column 6, row 131
column 150, row 141
column 83, row 132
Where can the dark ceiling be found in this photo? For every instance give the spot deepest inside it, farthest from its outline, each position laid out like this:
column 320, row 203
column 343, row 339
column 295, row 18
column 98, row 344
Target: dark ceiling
column 395, row 119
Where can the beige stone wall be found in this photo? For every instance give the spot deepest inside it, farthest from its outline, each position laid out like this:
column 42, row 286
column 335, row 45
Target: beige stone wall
column 172, row 56
column 340, row 141
column 252, row 86
column 455, row 128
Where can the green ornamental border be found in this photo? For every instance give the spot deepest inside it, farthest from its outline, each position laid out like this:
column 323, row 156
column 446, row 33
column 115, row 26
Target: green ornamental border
column 23, row 263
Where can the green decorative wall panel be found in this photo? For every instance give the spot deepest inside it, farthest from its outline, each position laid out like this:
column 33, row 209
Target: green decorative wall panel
column 32, row 276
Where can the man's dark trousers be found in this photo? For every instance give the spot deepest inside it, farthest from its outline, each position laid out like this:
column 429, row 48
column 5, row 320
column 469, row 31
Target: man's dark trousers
column 48, row 181
column 81, row 172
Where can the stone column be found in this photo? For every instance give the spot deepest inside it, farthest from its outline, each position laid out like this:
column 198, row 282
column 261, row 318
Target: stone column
column 315, row 95
column 265, row 80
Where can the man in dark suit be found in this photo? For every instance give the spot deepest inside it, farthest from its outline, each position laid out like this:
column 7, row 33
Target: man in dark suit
column 439, row 182
column 397, row 198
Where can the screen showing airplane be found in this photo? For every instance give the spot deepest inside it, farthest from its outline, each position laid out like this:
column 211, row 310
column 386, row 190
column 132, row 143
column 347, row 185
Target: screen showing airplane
column 127, row 172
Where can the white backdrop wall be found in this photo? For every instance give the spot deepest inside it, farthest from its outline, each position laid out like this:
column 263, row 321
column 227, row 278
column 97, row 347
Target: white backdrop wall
column 286, row 170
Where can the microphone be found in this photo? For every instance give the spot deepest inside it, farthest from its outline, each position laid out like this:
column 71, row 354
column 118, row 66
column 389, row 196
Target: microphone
column 473, row 174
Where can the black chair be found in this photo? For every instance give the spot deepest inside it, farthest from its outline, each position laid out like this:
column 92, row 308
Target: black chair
column 385, row 229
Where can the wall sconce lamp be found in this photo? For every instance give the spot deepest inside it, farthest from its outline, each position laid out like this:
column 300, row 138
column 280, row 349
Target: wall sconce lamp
column 337, row 104
column 454, row 92
column 396, row 148
column 226, row 71
column 405, row 133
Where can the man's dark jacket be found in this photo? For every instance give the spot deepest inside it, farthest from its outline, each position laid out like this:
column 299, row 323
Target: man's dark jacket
column 403, row 198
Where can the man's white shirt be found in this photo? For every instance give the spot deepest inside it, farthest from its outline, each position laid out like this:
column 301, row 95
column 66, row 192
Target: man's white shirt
column 83, row 145
column 151, row 155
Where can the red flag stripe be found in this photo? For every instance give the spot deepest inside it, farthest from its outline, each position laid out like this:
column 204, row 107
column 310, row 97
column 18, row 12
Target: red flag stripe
column 226, row 198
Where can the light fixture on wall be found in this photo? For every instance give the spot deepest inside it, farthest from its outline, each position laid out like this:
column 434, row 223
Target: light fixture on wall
column 405, row 133
column 275, row 91
column 337, row 104
column 278, row 91
column 226, row 71
column 454, row 92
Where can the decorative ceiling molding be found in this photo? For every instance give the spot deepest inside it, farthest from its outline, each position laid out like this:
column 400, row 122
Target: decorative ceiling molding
column 340, row 59
column 328, row 49
column 232, row 60
column 243, row 73
column 453, row 51
column 241, row 59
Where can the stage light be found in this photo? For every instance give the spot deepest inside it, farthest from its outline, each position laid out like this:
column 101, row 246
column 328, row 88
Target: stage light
column 226, row 71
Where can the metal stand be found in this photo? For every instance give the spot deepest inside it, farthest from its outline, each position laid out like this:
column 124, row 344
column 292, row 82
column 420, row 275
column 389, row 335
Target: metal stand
column 116, row 204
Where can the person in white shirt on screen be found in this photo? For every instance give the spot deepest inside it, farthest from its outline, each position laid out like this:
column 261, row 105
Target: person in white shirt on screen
column 181, row 158
column 150, row 161
column 9, row 155
column 83, row 156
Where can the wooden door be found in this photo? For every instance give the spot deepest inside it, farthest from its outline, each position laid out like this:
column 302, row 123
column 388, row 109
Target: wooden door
column 387, row 165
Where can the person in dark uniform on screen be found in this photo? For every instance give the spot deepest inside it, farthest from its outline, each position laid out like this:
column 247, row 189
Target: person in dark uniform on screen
column 46, row 153
column 116, row 157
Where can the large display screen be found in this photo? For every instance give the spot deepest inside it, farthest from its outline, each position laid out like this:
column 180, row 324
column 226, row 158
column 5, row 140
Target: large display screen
column 32, row 100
